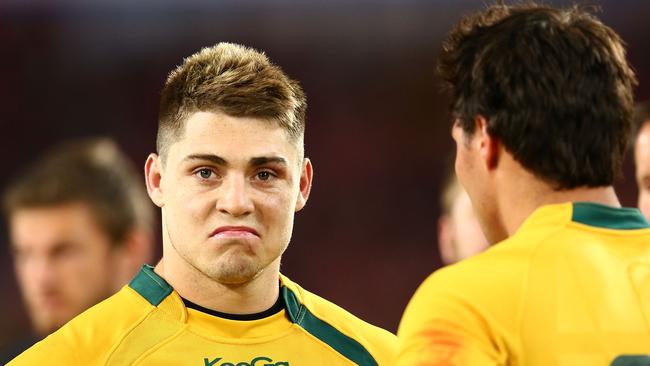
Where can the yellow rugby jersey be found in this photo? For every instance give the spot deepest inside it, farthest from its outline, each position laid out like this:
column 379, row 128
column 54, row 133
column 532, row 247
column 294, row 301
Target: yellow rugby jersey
column 147, row 323
column 571, row 287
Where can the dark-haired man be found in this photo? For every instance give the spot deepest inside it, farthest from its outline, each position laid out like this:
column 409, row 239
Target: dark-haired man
column 542, row 100
column 229, row 175
column 80, row 228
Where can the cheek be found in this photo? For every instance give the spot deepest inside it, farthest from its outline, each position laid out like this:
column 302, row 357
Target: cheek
column 277, row 211
column 90, row 264
column 23, row 271
column 196, row 206
column 190, row 206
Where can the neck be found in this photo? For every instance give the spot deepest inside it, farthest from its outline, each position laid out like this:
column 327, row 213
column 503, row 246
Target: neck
column 254, row 296
column 526, row 193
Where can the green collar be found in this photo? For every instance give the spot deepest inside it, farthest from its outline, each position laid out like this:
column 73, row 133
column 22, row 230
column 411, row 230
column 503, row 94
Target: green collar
column 150, row 285
column 155, row 289
column 594, row 214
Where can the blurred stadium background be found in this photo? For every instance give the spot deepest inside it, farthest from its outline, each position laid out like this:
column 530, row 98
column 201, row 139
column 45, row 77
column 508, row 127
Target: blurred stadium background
column 377, row 123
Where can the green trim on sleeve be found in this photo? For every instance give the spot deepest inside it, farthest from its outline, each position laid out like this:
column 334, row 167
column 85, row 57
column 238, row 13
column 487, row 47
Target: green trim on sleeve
column 638, row 360
column 620, row 218
column 150, row 285
column 346, row 346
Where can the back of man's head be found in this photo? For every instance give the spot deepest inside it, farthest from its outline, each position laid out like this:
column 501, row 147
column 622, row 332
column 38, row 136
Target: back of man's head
column 553, row 85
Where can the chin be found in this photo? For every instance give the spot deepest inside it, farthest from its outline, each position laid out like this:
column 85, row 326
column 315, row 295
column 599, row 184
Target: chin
column 235, row 273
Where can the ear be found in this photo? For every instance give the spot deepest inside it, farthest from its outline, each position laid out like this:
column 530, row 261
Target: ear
column 446, row 240
column 489, row 145
column 306, row 176
column 153, row 178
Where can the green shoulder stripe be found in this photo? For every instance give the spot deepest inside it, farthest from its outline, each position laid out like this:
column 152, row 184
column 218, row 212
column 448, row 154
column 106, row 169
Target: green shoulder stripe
column 348, row 347
column 150, row 286
column 638, row 360
column 607, row 217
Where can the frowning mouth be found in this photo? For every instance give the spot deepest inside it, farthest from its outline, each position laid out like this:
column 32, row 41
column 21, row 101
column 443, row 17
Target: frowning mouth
column 234, row 231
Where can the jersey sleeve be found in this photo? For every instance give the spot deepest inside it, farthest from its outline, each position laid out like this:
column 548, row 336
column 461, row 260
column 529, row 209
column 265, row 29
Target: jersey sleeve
column 42, row 354
column 441, row 327
column 89, row 338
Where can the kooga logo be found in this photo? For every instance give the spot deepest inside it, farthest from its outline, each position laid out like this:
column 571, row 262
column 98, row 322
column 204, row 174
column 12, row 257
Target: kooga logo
column 257, row 361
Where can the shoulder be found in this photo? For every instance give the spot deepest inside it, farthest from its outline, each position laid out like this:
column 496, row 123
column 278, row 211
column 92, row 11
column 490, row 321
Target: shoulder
column 90, row 337
column 356, row 339
column 481, row 283
column 477, row 301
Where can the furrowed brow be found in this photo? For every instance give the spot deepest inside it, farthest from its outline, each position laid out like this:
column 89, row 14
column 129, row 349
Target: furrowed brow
column 207, row 157
column 257, row 161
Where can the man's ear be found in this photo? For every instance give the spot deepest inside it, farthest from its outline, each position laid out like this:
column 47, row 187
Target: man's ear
column 153, row 178
column 306, row 176
column 489, row 145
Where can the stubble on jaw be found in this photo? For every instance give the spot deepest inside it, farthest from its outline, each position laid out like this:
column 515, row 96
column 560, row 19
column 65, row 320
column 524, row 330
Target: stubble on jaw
column 234, row 268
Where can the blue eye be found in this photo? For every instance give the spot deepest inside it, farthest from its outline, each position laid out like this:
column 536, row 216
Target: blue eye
column 204, row 173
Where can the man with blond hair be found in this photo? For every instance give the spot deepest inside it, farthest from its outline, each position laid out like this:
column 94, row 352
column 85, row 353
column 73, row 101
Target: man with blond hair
column 229, row 175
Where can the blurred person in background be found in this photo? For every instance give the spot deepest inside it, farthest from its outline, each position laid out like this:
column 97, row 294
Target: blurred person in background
column 229, row 176
column 80, row 225
column 459, row 232
column 642, row 155
column 542, row 100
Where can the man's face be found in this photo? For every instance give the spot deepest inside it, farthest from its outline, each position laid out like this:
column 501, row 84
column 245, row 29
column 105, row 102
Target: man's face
column 642, row 159
column 63, row 261
column 229, row 189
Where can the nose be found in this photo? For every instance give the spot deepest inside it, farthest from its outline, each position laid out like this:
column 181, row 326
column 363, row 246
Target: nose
column 234, row 198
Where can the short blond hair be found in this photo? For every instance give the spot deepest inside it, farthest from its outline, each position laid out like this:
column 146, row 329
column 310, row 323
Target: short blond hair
column 231, row 79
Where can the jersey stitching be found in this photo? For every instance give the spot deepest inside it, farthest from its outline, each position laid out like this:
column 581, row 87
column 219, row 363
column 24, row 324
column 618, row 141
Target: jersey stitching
column 325, row 345
column 638, row 294
column 521, row 308
column 302, row 311
column 159, row 345
column 154, row 279
column 350, row 335
column 126, row 333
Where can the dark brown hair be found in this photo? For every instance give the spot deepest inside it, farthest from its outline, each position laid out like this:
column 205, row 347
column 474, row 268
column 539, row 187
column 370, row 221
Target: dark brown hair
column 553, row 84
column 235, row 80
column 89, row 171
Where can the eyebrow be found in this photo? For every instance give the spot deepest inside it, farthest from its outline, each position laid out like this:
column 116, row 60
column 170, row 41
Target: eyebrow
column 256, row 161
column 209, row 157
